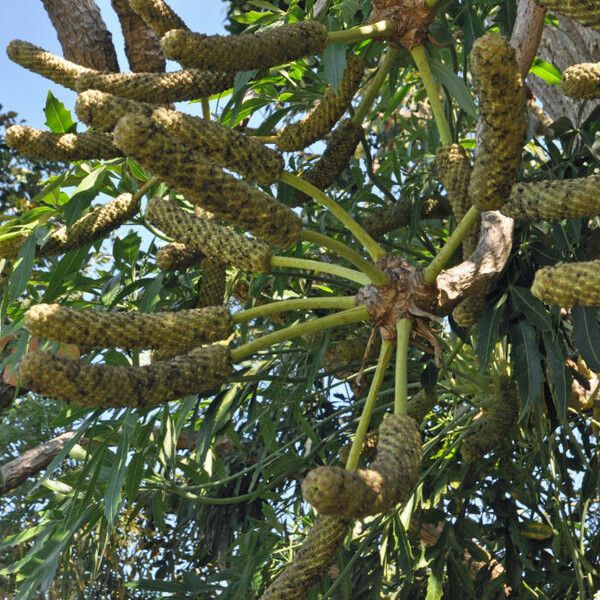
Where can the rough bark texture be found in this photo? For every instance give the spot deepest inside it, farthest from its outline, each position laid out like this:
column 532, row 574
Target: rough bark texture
column 563, row 46
column 527, row 33
column 142, row 44
column 82, row 33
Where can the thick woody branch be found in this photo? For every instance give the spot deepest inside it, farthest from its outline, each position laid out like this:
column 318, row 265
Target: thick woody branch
column 527, row 33
column 82, row 33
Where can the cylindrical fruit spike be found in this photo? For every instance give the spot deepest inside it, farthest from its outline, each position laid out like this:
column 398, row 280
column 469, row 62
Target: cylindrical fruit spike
column 205, row 184
column 224, row 146
column 582, row 81
column 162, row 88
column 502, row 122
column 211, row 287
column 571, row 284
column 319, row 122
column 335, row 159
column 94, row 225
column 213, row 240
column 261, row 50
column 180, row 331
column 454, row 171
column 158, row 15
column 347, row 494
column 586, row 12
column 493, row 428
column 467, row 313
column 311, row 562
column 177, row 257
column 61, row 147
column 9, row 247
column 46, row 64
column 106, row 386
column 557, row 199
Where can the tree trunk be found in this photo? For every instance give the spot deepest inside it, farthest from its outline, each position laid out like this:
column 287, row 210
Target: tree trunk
column 82, row 33
column 142, row 44
column 563, row 46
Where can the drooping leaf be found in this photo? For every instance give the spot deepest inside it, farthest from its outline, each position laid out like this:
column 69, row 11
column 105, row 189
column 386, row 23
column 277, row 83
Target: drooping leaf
column 586, row 335
column 527, row 363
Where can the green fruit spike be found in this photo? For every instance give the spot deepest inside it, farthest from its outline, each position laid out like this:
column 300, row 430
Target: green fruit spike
column 502, row 122
column 454, row 171
column 163, row 88
column 177, row 257
column 158, row 15
column 61, row 147
column 556, row 199
column 347, row 494
column 311, row 562
column 582, row 81
column 213, row 240
column 568, row 285
column 586, row 12
column 467, row 313
column 262, row 50
column 205, row 184
column 182, row 330
column 319, row 122
column 211, row 287
column 46, row 64
column 224, row 146
column 107, row 386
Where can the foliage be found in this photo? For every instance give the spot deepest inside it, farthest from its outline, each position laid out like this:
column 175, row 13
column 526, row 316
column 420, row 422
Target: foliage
column 201, row 497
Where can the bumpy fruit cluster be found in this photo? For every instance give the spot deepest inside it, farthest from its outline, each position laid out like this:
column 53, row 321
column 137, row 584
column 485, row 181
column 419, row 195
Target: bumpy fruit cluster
column 568, row 285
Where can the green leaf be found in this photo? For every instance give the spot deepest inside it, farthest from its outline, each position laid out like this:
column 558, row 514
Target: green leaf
column 22, row 271
column 586, row 335
column 455, row 85
column 88, row 188
column 546, row 71
column 488, row 329
column 559, row 375
column 58, row 118
column 533, row 310
column 68, row 265
column 334, row 63
column 527, row 361
column 151, row 294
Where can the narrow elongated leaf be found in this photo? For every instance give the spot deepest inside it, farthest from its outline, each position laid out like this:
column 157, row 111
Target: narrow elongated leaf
column 455, row 85
column 546, row 71
column 488, row 329
column 334, row 63
column 586, row 335
column 22, row 271
column 559, row 375
column 528, row 363
column 533, row 310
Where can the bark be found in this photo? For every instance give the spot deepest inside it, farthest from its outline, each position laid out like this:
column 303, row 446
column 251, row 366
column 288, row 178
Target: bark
column 563, row 46
column 142, row 44
column 527, row 33
column 82, row 33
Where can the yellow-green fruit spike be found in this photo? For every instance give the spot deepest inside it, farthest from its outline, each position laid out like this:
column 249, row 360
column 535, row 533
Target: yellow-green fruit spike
column 205, row 184
column 337, row 155
column 9, row 247
column 421, row 404
column 311, row 562
column 467, row 313
column 454, row 171
column 158, row 15
column 582, row 81
column 213, row 240
column 61, row 147
column 161, row 88
column 502, row 121
column 347, row 494
column 91, row 227
column 586, row 12
column 572, row 284
column 46, row 64
column 224, row 146
column 318, row 123
column 368, row 449
column 106, row 386
column 261, row 50
column 211, row 287
column 546, row 200
column 181, row 330
column 492, row 429
column 177, row 257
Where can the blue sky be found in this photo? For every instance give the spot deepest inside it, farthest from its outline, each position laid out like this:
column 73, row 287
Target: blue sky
column 25, row 92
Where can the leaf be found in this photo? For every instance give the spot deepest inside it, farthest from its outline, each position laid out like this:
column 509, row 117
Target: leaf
column 559, row 375
column 67, row 266
column 58, row 118
column 88, row 188
column 334, row 63
column 546, row 71
column 527, row 361
column 22, row 271
column 455, row 85
column 586, row 335
column 488, row 330
column 533, row 310
column 151, row 294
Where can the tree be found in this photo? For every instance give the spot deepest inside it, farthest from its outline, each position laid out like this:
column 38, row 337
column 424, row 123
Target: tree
column 318, row 337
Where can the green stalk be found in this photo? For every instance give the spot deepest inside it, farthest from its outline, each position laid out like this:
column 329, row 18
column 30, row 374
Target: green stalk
column 372, row 247
column 275, row 308
column 320, row 267
column 403, row 329
column 420, row 57
column 145, row 187
column 205, row 109
column 373, row 90
column 362, row 32
column 387, row 348
column 375, row 274
column 345, row 317
column 452, row 244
